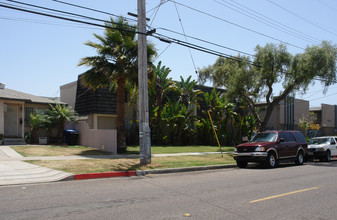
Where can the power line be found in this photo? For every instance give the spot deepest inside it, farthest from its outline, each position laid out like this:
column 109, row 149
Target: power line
column 304, row 19
column 156, row 35
column 237, row 25
column 64, row 18
column 182, row 27
column 263, row 20
column 328, row 6
column 91, row 9
column 62, row 12
column 277, row 22
column 197, row 47
column 205, row 41
column 160, row 4
column 45, row 22
column 157, row 9
column 91, row 18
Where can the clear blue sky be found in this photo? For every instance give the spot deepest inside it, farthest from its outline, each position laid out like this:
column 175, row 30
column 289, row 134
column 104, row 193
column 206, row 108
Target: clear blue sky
column 39, row 54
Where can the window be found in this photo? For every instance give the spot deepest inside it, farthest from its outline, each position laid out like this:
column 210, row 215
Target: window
column 300, row 137
column 289, row 137
column 30, row 110
column 264, row 137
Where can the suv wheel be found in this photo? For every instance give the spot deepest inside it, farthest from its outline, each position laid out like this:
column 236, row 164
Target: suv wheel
column 271, row 160
column 299, row 159
column 241, row 163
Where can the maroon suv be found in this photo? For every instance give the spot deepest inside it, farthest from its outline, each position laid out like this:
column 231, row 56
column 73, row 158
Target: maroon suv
column 271, row 147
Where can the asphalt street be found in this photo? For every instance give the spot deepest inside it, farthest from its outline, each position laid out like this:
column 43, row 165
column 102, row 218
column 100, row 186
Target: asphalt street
column 287, row 192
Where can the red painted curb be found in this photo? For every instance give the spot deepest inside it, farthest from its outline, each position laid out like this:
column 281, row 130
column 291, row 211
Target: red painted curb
column 104, row 175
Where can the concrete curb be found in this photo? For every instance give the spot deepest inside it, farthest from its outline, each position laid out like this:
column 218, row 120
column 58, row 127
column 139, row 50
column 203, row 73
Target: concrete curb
column 145, row 172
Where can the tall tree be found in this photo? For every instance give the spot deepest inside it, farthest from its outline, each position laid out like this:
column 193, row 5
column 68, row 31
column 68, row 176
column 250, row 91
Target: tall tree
column 273, row 64
column 114, row 66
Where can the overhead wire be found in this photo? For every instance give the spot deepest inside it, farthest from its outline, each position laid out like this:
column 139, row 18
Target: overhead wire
column 182, row 27
column 302, row 18
column 156, row 35
column 265, row 21
column 46, row 22
column 160, row 4
column 156, row 10
column 276, row 22
column 328, row 6
column 61, row 11
column 91, row 9
column 205, row 41
column 101, row 20
column 64, row 18
column 237, row 25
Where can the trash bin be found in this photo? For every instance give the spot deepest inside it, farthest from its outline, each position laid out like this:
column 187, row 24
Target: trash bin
column 71, row 137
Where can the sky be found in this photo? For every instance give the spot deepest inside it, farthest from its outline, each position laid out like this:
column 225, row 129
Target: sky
column 39, row 53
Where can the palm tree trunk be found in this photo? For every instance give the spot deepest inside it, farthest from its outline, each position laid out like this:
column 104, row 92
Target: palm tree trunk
column 121, row 146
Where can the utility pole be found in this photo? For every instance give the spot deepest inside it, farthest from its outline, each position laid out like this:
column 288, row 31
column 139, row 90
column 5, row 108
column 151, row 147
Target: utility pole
column 144, row 126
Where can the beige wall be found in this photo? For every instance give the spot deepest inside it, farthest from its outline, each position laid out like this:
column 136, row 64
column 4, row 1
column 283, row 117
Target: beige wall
column 277, row 119
column 106, row 122
column 68, row 93
column 97, row 138
column 328, row 116
column 2, row 119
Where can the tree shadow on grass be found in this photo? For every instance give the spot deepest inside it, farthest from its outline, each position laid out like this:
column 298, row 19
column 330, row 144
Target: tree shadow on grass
column 93, row 152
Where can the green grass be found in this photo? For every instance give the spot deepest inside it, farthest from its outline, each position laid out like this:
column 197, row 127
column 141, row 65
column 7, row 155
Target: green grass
column 180, row 149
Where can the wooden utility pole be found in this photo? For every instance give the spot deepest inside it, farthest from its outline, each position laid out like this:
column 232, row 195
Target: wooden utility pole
column 144, row 125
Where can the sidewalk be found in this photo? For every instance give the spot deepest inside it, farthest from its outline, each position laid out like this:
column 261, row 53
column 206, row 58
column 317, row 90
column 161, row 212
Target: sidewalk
column 14, row 171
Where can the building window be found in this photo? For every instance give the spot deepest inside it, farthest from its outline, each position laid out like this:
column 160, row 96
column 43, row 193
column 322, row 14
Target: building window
column 31, row 110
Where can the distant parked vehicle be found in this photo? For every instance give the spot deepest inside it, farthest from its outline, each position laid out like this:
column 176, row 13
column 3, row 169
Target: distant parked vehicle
column 322, row 148
column 271, row 147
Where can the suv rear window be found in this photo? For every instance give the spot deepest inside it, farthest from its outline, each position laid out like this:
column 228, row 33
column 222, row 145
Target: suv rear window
column 289, row 137
column 299, row 136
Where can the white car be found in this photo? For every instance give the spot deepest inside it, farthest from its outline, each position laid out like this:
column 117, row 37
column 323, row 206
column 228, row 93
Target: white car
column 322, row 148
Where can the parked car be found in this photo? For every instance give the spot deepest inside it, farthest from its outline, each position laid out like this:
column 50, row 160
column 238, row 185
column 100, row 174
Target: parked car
column 322, row 148
column 271, row 147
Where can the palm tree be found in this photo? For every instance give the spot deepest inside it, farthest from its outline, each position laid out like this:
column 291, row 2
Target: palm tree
column 58, row 115
column 188, row 95
column 159, row 87
column 114, row 66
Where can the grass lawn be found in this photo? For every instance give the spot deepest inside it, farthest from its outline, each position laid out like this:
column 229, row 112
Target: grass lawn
column 106, row 165
column 180, row 149
column 51, row 150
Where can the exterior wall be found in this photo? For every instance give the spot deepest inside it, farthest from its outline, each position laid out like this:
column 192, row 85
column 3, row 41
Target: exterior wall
column 97, row 138
column 301, row 110
column 297, row 109
column 106, row 122
column 2, row 118
column 328, row 119
column 68, row 94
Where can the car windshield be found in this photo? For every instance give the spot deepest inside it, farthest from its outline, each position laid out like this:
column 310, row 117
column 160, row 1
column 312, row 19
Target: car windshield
column 264, row 137
column 319, row 141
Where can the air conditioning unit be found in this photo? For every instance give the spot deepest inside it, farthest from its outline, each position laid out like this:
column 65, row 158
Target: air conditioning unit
column 42, row 140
